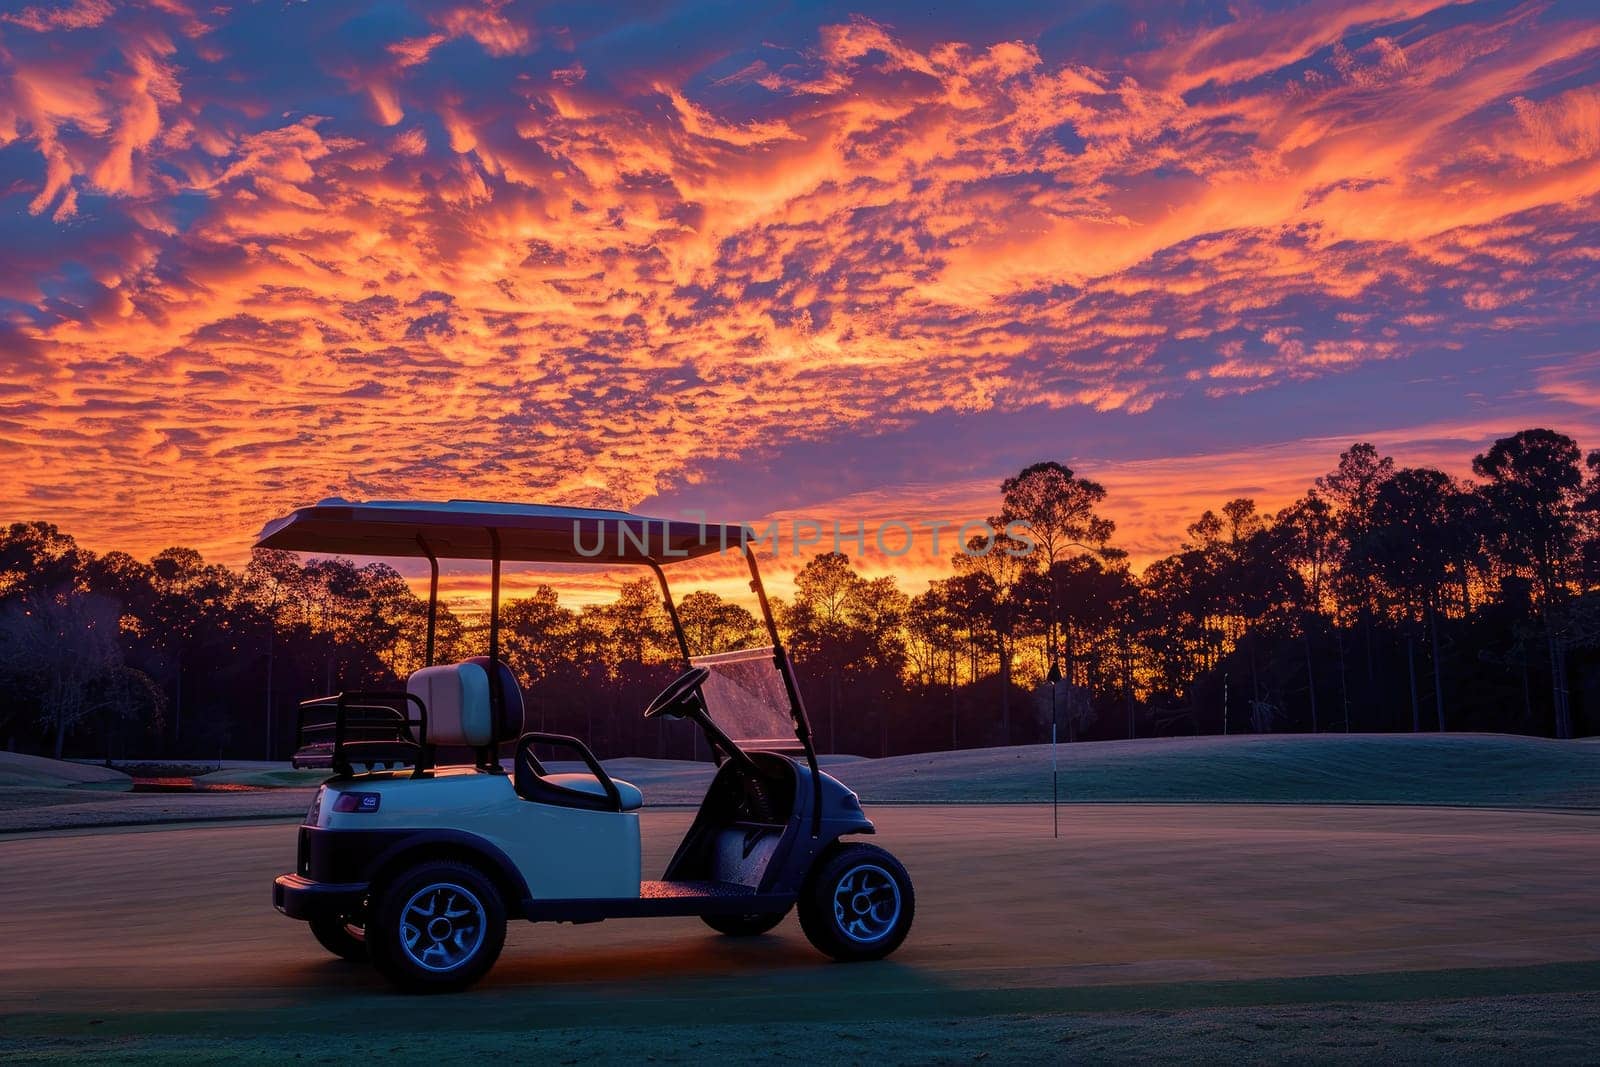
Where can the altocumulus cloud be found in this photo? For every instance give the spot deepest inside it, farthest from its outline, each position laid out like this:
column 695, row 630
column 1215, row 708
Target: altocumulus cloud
column 260, row 253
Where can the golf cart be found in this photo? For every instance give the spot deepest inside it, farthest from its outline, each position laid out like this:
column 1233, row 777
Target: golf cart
column 417, row 865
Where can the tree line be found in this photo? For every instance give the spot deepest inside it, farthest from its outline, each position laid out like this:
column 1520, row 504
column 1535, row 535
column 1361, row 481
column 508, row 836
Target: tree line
column 1386, row 598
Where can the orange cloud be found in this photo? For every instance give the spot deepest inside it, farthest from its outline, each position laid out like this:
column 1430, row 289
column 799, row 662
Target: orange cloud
column 464, row 253
column 78, row 15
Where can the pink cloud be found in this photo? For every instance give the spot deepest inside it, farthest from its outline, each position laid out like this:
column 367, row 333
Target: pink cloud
column 841, row 231
column 77, row 15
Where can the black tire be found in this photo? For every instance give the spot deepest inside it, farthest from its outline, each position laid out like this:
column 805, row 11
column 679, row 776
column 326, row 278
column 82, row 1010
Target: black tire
column 875, row 913
column 744, row 925
column 461, row 941
column 342, row 935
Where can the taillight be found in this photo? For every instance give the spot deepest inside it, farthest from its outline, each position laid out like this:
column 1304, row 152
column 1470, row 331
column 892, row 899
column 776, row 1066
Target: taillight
column 316, row 806
column 357, row 802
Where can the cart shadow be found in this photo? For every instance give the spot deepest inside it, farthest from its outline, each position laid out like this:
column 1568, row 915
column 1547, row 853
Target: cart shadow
column 738, row 975
column 709, row 957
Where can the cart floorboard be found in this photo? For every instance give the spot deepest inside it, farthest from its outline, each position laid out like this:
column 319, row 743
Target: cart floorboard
column 661, row 899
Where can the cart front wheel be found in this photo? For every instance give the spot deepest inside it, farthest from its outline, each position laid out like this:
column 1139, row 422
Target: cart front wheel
column 342, row 935
column 437, row 928
column 744, row 925
column 857, row 903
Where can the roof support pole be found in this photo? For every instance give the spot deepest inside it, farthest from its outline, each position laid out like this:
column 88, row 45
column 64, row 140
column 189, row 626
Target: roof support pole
column 683, row 639
column 497, row 697
column 672, row 611
column 433, row 598
column 494, row 599
column 797, row 708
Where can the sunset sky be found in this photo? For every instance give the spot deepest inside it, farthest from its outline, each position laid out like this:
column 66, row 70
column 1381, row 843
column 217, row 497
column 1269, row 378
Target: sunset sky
column 857, row 261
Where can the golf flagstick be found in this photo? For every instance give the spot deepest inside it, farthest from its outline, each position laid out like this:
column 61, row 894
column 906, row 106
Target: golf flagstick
column 1055, row 776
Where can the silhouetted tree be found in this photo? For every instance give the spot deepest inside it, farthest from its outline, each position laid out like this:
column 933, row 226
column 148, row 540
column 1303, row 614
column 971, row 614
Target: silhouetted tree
column 1056, row 509
column 1414, row 540
column 713, row 624
column 1533, row 492
column 998, row 565
column 65, row 648
column 1256, row 620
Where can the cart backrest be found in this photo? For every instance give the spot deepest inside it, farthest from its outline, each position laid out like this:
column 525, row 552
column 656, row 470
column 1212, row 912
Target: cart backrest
column 460, row 711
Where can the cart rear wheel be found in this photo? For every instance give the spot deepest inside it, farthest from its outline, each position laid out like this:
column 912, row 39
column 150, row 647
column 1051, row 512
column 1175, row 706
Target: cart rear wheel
column 342, row 935
column 857, row 903
column 744, row 925
column 437, row 928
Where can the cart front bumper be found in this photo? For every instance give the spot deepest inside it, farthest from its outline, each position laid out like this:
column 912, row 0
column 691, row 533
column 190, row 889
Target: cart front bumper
column 301, row 898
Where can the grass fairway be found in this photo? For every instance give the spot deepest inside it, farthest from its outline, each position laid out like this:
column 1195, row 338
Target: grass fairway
column 31, row 784
column 1180, row 933
column 1460, row 770
column 1470, row 770
column 18, row 771
column 1547, row 1029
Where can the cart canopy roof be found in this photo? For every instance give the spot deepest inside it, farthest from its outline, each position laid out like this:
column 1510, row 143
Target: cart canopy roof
column 460, row 529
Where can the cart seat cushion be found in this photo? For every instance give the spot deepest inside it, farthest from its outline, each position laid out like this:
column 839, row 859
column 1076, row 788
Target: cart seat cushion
column 632, row 798
column 459, row 708
column 457, row 698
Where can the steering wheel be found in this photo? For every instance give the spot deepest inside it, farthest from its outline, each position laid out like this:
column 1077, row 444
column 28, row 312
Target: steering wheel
column 681, row 696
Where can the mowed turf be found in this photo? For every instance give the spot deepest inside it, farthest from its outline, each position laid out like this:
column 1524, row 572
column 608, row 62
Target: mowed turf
column 1474, row 770
column 1173, row 933
column 1465, row 770
column 36, row 772
column 30, row 784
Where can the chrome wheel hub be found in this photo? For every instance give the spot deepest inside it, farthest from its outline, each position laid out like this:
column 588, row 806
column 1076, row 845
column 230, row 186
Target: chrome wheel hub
column 866, row 903
column 442, row 926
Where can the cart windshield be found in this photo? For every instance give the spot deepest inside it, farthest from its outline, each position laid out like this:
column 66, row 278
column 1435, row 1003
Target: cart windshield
column 746, row 698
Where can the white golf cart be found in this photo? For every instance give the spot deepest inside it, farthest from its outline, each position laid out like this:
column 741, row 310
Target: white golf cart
column 417, row 866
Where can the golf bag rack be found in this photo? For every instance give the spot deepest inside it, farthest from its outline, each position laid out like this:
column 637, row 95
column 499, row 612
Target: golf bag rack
column 372, row 729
